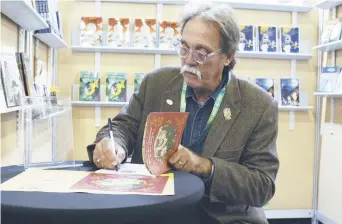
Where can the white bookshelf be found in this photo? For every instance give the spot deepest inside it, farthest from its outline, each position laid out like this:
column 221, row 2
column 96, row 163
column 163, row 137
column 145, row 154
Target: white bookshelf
column 23, row 14
column 131, row 50
column 295, row 108
column 52, row 40
column 332, row 95
column 274, row 55
column 98, row 104
column 328, row 4
column 332, row 46
column 234, row 4
column 9, row 110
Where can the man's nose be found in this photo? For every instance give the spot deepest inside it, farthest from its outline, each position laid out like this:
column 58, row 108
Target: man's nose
column 189, row 60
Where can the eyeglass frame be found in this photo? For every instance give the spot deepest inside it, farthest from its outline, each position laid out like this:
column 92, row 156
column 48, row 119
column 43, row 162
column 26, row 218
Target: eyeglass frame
column 189, row 50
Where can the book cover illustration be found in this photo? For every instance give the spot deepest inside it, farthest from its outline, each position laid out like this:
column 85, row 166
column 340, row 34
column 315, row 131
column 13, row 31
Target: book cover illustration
column 116, row 87
column 332, row 31
column 138, row 78
column 266, row 84
column 91, row 31
column 328, row 79
column 289, row 91
column 145, row 33
column 118, row 32
column 121, row 183
column 267, row 38
column 162, row 135
column 246, row 38
column 169, row 34
column 289, row 39
column 89, row 86
column 3, row 105
column 11, row 79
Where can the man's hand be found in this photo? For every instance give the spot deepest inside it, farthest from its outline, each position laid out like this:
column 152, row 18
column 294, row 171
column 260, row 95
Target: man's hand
column 105, row 156
column 187, row 161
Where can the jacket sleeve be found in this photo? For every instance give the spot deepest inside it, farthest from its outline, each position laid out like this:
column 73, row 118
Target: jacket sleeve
column 251, row 181
column 126, row 123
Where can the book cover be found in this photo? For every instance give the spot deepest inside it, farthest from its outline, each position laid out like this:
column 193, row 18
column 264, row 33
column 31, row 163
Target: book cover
column 289, row 39
column 267, row 38
column 169, row 34
column 89, row 86
column 118, row 32
column 121, row 183
column 289, row 92
column 12, row 83
column 328, row 79
column 91, row 31
column 162, row 135
column 138, row 77
column 145, row 33
column 266, row 84
column 3, row 105
column 246, row 38
column 29, row 83
column 116, row 87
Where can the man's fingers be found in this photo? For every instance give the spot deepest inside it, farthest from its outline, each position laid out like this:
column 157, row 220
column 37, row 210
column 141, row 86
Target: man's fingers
column 96, row 155
column 174, row 158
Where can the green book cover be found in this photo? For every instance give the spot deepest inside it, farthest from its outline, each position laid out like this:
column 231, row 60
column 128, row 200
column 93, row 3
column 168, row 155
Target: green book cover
column 138, row 77
column 116, row 86
column 89, row 86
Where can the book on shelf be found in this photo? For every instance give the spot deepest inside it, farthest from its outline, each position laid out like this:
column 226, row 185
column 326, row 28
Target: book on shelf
column 138, row 77
column 145, row 33
column 169, row 34
column 247, row 38
column 12, row 83
column 48, row 12
column 329, row 79
column 332, row 31
column 91, row 31
column 289, row 92
column 89, row 88
column 116, row 87
column 266, row 84
column 267, row 38
column 289, row 39
column 118, row 32
column 162, row 135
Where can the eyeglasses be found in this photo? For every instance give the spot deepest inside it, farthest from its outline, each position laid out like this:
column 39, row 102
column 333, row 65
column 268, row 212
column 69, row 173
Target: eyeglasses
column 197, row 55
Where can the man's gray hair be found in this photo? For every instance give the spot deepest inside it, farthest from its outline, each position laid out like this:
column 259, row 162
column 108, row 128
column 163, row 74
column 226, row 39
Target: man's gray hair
column 224, row 17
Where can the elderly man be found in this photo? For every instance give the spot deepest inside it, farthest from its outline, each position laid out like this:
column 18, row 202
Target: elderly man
column 230, row 136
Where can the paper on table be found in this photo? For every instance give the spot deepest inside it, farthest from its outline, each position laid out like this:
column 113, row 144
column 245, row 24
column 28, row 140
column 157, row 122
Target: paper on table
column 129, row 168
column 43, row 180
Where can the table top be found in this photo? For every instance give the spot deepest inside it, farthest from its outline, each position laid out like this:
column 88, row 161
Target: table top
column 189, row 189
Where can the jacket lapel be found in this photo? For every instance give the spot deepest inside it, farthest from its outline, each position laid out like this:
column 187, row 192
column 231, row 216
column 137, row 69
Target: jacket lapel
column 170, row 100
column 225, row 118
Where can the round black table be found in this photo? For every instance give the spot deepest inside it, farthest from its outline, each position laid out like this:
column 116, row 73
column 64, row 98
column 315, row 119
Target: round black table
column 50, row 208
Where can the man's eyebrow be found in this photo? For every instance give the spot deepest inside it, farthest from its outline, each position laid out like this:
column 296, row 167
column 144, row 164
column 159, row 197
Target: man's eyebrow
column 198, row 46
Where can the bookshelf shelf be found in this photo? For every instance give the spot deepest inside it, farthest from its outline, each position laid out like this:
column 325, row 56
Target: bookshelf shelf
column 98, row 104
column 23, row 14
column 332, row 95
column 9, row 110
column 131, row 50
column 234, row 4
column 328, row 4
column 332, row 46
column 295, row 108
column 52, row 40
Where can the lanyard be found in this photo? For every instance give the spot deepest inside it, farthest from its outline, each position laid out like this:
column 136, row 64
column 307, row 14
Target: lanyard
column 216, row 107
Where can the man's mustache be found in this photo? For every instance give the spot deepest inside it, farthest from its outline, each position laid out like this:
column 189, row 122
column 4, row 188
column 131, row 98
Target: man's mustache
column 187, row 68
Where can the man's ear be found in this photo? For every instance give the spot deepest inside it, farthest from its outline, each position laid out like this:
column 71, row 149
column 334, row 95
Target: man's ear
column 228, row 60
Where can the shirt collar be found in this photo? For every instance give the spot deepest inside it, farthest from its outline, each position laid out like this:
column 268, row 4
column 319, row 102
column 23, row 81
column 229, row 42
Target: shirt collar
column 225, row 79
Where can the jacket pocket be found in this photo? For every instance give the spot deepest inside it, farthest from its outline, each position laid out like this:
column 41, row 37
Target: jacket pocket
column 229, row 154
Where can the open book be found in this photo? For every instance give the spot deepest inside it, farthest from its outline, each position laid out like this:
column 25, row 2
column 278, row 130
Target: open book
column 163, row 132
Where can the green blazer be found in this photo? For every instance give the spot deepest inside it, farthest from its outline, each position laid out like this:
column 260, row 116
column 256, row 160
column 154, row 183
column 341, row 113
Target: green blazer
column 243, row 147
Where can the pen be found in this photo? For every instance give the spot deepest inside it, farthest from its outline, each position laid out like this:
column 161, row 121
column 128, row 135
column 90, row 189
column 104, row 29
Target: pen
column 112, row 140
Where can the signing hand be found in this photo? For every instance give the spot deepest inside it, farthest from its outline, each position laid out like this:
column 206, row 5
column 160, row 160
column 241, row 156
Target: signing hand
column 187, row 161
column 105, row 156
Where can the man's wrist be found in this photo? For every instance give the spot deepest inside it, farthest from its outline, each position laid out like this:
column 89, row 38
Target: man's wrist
column 204, row 168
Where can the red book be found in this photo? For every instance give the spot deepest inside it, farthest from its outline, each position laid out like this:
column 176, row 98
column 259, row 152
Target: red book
column 163, row 133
